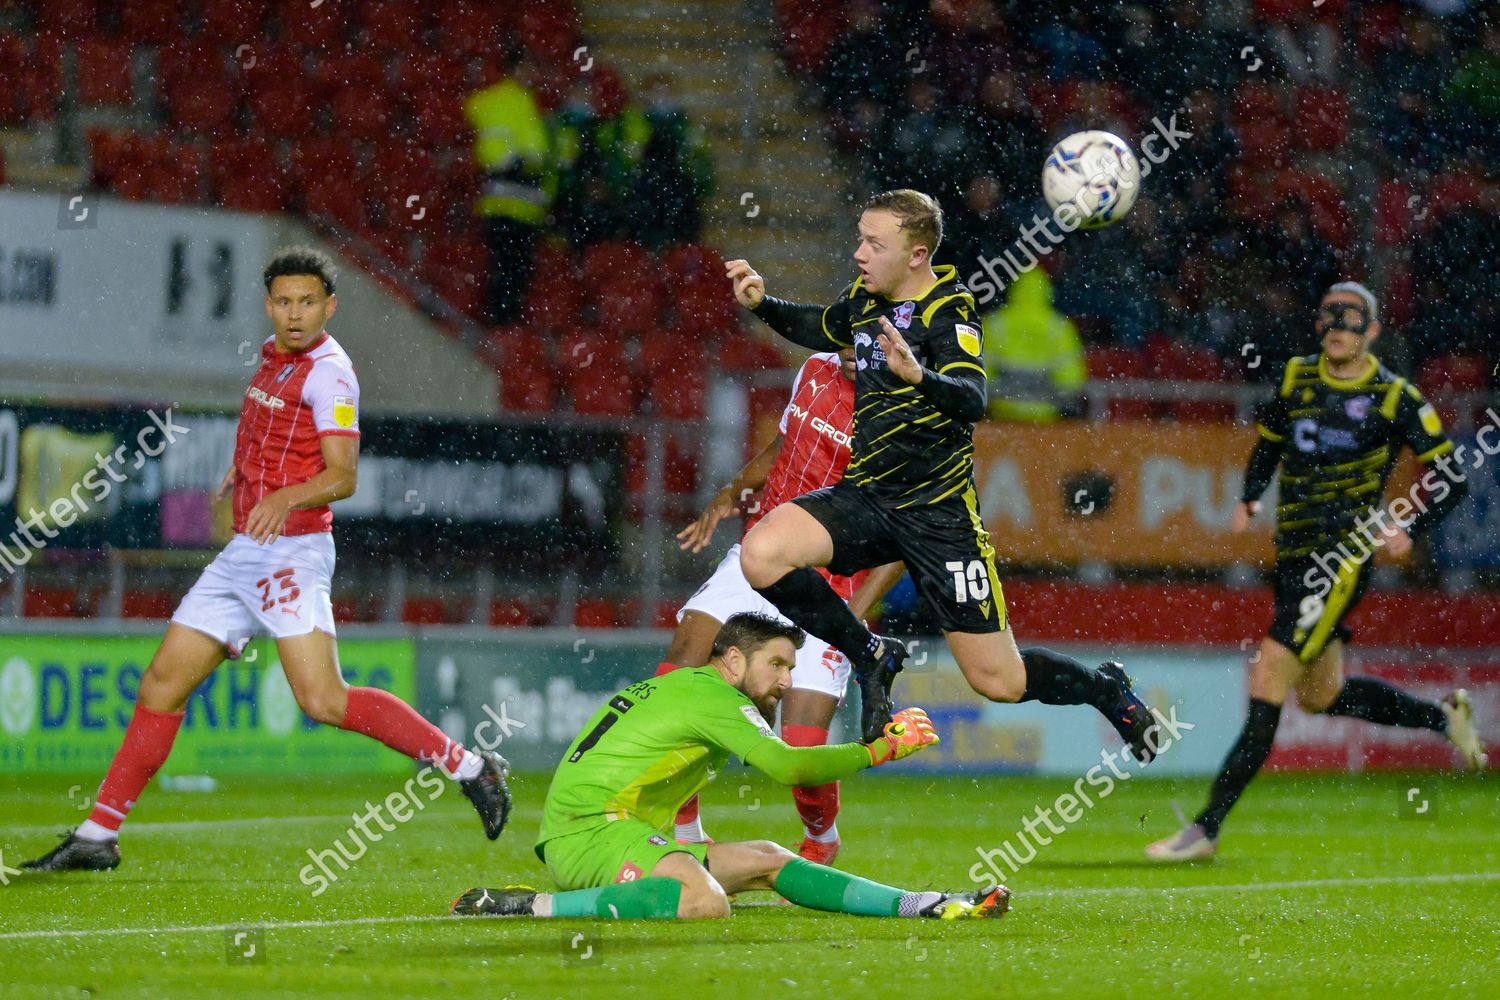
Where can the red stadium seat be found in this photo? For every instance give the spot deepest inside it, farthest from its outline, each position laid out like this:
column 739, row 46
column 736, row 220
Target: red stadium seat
column 335, row 198
column 425, row 611
column 1109, row 363
column 1256, row 102
column 602, row 389
column 393, row 26
column 683, row 398
column 282, row 109
column 232, row 23
column 323, row 157
column 157, row 604
column 104, row 71
column 150, row 22
column 747, row 353
column 596, row 612
column 49, row 602
column 510, row 613
column 456, row 267
column 1322, row 120
column 548, row 30
column 67, row 19
column 315, row 26
column 246, row 177
column 1448, row 375
column 410, row 189
column 470, row 28
column 1393, row 213
column 528, row 387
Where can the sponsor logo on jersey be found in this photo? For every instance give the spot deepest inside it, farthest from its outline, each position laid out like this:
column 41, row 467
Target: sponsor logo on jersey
column 903, row 315
column 343, row 411
column 757, row 720
column 820, row 425
column 968, row 339
column 1431, row 422
column 258, row 394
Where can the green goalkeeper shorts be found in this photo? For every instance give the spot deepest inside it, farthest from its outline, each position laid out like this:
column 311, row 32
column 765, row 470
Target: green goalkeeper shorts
column 622, row 851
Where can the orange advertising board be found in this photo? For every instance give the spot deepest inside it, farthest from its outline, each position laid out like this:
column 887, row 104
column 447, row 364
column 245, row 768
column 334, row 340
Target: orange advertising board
column 1139, row 493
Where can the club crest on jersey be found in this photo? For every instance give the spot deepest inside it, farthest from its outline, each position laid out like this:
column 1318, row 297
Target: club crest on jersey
column 285, row 372
column 903, row 315
column 968, row 339
column 1357, row 408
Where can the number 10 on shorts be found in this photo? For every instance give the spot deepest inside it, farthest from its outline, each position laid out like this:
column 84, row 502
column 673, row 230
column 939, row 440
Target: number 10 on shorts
column 971, row 581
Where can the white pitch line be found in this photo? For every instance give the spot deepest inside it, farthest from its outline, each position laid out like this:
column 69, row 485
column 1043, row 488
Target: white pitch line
column 1051, row 893
column 172, row 826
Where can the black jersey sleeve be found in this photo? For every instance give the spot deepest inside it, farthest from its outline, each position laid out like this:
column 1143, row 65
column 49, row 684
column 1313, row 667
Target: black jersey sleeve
column 1421, row 429
column 953, row 376
column 1261, row 468
column 817, row 328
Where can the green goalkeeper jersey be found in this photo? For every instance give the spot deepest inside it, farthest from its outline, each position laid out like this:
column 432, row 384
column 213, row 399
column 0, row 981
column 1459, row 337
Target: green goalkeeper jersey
column 656, row 743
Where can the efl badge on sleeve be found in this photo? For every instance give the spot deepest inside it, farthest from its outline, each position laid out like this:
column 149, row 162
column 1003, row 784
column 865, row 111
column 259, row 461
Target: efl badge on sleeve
column 343, row 411
column 968, row 339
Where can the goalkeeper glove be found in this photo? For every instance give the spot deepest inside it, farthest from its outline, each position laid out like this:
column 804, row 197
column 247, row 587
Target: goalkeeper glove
column 908, row 731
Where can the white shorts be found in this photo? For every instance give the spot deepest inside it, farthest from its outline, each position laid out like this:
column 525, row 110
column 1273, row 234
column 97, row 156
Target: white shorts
column 283, row 588
column 819, row 667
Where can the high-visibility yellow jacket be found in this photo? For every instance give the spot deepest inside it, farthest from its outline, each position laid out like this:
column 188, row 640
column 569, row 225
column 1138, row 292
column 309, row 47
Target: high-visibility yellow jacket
column 1033, row 354
column 513, row 147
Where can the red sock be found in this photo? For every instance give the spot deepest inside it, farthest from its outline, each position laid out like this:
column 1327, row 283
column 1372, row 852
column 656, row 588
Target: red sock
column 688, row 813
column 148, row 740
column 382, row 716
column 818, row 806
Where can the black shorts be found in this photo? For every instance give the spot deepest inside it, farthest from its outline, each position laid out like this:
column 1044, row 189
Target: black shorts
column 944, row 545
column 1313, row 596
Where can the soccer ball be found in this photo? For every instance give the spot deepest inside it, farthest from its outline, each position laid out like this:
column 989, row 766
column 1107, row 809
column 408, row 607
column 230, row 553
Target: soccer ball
column 1096, row 173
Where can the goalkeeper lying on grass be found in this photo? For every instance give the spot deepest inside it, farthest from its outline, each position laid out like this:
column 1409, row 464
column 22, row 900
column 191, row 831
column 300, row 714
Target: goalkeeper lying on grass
column 605, row 834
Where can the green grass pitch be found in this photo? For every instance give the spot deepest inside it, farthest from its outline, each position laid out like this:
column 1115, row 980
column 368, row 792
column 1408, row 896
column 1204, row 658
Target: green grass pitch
column 1324, row 885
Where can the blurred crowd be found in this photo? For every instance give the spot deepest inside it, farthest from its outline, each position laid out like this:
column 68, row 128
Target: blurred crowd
column 1339, row 140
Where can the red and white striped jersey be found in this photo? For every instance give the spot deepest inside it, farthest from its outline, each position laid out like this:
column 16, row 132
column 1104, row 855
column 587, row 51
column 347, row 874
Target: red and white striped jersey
column 816, row 431
column 293, row 400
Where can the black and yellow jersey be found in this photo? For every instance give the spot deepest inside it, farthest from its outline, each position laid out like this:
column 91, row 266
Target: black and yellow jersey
column 1337, row 440
column 913, row 444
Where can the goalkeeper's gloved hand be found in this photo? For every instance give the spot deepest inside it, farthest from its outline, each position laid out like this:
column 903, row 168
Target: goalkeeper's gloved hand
column 908, row 731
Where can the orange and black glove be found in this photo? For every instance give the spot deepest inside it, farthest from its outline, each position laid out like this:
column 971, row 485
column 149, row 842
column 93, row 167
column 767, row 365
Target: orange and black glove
column 908, row 731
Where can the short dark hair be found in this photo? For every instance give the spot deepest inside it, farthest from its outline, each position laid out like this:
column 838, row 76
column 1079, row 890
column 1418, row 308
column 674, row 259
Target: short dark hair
column 750, row 630
column 301, row 260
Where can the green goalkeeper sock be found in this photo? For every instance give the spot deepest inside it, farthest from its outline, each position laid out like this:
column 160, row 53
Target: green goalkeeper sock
column 646, row 899
column 818, row 887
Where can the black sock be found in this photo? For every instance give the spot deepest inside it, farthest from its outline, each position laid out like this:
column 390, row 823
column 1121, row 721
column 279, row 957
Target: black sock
column 1376, row 701
column 807, row 600
column 1055, row 679
column 1245, row 758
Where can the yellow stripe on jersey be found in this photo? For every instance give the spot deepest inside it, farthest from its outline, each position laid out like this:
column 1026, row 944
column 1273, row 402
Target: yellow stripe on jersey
column 1442, row 449
column 987, row 553
column 1270, row 435
column 1333, row 607
column 961, row 364
column 1392, row 399
column 928, row 313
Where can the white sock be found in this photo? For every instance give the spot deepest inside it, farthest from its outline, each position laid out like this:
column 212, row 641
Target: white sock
column 468, row 769
column 828, row 836
column 691, row 832
column 89, row 830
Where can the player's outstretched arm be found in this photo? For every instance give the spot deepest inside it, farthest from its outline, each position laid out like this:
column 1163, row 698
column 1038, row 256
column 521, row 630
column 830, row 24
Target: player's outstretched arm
column 877, row 584
column 814, row 327
column 909, row 731
column 731, row 500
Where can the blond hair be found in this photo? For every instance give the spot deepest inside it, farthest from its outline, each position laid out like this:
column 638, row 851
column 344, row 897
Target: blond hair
column 918, row 215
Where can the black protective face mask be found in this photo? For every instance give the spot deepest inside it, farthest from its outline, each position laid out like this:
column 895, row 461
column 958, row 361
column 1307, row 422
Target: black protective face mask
column 1343, row 316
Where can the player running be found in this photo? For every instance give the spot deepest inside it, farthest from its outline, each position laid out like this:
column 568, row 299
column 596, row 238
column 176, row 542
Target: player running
column 606, row 823
column 297, row 451
column 809, row 452
column 908, row 493
column 1346, row 417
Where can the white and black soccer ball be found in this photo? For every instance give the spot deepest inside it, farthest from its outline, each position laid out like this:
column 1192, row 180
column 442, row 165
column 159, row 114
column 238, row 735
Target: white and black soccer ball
column 1096, row 173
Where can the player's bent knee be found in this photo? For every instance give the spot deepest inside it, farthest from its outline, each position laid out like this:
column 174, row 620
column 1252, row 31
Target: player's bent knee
column 761, row 560
column 325, row 706
column 703, row 900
